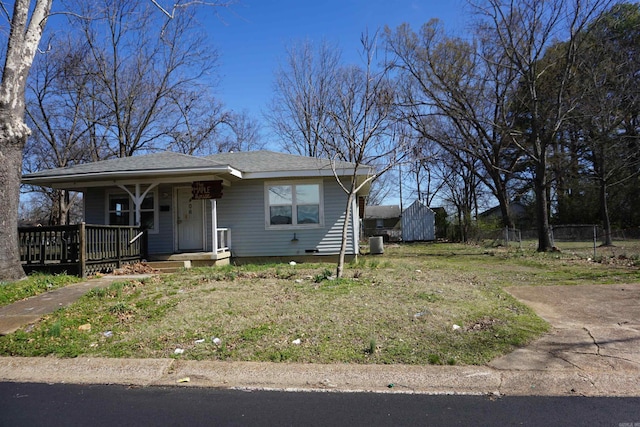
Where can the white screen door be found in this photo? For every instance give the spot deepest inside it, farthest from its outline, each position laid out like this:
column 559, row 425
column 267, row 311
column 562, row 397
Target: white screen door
column 190, row 227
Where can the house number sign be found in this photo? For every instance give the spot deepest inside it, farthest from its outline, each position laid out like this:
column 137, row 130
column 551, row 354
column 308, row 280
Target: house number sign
column 206, row 190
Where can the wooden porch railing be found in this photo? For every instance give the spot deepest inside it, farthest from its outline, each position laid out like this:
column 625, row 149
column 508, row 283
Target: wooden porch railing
column 224, row 240
column 81, row 249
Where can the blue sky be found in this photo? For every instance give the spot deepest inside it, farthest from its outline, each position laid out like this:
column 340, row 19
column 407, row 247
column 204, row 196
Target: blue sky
column 251, row 37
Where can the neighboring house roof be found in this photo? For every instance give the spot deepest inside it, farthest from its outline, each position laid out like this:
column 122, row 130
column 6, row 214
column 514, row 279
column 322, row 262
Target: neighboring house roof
column 244, row 165
column 382, row 212
column 517, row 209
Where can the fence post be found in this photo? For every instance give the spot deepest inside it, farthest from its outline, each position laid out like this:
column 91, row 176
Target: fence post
column 595, row 238
column 506, row 236
column 520, row 238
column 118, row 247
column 82, row 255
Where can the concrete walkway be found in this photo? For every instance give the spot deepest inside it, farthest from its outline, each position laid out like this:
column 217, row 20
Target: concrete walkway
column 591, row 351
column 595, row 327
column 21, row 313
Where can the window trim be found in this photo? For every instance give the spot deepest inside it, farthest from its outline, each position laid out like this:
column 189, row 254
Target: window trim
column 293, row 226
column 132, row 211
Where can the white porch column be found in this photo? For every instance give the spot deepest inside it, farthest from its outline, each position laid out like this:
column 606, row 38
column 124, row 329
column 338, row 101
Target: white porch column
column 214, row 225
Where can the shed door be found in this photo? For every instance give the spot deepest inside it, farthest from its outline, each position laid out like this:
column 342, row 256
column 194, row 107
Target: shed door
column 190, row 222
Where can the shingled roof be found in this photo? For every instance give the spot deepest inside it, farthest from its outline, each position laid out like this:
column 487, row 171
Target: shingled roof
column 246, row 165
column 156, row 161
column 271, row 161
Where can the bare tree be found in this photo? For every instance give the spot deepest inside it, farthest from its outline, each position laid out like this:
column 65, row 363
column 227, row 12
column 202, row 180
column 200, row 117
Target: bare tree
column 523, row 31
column 58, row 109
column 463, row 86
column 304, row 85
column 143, row 63
column 203, row 126
column 342, row 112
column 362, row 131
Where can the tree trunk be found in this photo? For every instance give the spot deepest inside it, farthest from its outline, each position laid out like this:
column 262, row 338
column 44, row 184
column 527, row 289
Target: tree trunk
column 345, row 233
column 604, row 208
column 11, row 146
column 22, row 45
column 542, row 209
column 505, row 211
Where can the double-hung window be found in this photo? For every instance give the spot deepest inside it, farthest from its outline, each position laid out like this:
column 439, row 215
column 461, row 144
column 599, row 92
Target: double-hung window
column 293, row 205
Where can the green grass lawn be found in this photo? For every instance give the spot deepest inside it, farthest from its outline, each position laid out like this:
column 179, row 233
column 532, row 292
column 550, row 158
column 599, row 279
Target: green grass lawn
column 33, row 285
column 416, row 304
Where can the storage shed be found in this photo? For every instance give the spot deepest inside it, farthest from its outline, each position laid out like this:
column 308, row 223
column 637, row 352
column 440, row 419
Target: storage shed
column 418, row 223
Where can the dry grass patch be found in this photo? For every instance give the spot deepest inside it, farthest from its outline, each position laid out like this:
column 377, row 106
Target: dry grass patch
column 397, row 308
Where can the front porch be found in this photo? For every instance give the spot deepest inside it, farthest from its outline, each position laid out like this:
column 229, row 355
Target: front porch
column 86, row 249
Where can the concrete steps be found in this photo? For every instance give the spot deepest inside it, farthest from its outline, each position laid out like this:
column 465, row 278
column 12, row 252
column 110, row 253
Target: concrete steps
column 169, row 266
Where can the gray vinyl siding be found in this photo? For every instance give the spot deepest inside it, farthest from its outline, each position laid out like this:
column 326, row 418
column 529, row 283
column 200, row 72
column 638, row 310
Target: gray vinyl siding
column 242, row 209
column 94, row 206
column 162, row 242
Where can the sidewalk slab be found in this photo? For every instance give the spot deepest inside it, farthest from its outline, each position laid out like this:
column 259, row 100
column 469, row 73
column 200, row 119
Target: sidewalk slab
column 458, row 380
column 82, row 370
column 337, row 377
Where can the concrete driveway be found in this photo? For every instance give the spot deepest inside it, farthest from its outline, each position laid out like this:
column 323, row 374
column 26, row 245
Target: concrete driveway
column 595, row 327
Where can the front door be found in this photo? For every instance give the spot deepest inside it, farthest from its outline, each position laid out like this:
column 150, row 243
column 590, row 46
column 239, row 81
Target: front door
column 190, row 222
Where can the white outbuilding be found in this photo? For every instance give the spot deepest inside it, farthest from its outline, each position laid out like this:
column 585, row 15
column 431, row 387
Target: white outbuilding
column 418, row 223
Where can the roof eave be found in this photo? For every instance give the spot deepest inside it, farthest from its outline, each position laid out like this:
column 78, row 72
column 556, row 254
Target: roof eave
column 57, row 180
column 307, row 173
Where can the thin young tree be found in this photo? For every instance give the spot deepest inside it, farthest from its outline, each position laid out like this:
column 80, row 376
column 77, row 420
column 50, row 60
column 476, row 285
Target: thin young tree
column 362, row 126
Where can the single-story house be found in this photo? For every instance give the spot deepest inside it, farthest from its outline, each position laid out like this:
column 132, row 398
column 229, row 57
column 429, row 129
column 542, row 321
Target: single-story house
column 382, row 221
column 418, row 223
column 243, row 204
column 520, row 214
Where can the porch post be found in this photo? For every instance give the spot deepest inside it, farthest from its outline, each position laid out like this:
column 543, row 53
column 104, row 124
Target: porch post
column 137, row 199
column 214, row 226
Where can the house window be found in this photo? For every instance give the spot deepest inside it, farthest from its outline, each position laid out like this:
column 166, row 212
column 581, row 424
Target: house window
column 122, row 211
column 379, row 223
column 119, row 209
column 293, row 205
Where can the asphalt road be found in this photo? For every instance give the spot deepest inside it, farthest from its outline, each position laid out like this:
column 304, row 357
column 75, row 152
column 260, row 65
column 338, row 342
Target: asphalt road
column 32, row 404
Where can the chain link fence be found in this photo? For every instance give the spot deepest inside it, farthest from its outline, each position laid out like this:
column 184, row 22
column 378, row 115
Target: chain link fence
column 586, row 239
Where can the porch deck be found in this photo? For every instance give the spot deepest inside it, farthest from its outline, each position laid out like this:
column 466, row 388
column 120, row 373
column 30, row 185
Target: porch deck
column 80, row 249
